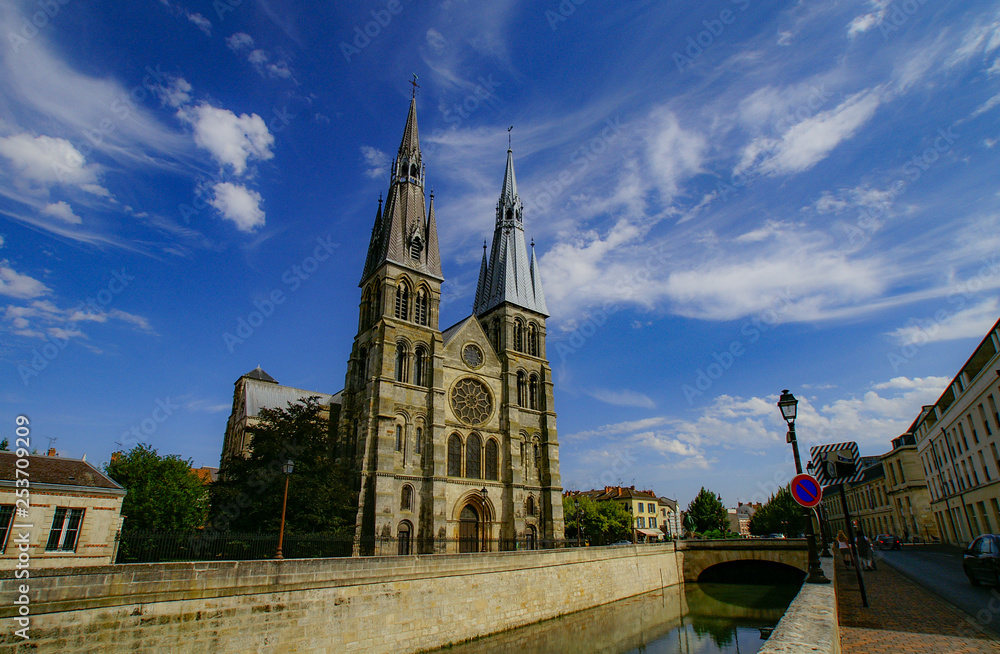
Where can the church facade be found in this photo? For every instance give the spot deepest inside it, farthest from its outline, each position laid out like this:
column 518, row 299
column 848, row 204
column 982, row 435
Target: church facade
column 452, row 433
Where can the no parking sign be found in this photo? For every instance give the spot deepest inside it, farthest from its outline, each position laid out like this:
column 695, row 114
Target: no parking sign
column 806, row 490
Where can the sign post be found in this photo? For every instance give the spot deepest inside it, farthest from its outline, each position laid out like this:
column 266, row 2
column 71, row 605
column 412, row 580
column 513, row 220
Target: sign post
column 838, row 464
column 806, row 491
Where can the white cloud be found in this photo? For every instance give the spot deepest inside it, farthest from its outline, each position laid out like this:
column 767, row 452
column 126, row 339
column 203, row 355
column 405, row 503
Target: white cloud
column 50, row 160
column 377, row 162
column 232, row 140
column 435, row 39
column 623, row 398
column 865, row 22
column 14, row 284
column 203, row 23
column 808, row 142
column 238, row 204
column 176, row 93
column 62, row 211
column 239, row 42
column 973, row 322
column 675, row 154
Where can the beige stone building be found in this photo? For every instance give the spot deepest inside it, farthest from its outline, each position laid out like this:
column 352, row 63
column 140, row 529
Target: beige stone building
column 958, row 443
column 867, row 501
column 644, row 506
column 73, row 514
column 452, row 432
column 910, row 518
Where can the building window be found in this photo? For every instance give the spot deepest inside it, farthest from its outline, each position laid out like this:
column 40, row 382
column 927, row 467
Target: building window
column 420, row 307
column 65, row 529
column 418, row 444
column 473, row 456
column 402, row 372
column 402, row 301
column 522, row 390
column 533, row 392
column 529, row 505
column 399, row 438
column 454, row 456
column 416, row 247
column 406, row 498
column 492, row 455
column 420, row 366
column 993, row 410
column 403, row 535
column 538, row 457
column 986, row 468
column 532, row 339
column 985, row 421
column 641, row 522
column 641, row 505
column 519, row 335
column 6, row 517
column 650, row 508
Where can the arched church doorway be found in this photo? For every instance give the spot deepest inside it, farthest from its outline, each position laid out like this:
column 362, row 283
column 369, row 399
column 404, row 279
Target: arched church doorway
column 532, row 538
column 468, row 530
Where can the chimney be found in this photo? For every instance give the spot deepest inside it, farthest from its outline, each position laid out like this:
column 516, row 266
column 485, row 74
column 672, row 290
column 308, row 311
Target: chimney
column 52, row 452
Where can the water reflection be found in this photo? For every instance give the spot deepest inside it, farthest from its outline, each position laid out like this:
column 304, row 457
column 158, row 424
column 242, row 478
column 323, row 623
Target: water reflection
column 703, row 618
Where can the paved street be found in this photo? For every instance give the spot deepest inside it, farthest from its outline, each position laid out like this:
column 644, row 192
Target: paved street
column 939, row 569
column 902, row 616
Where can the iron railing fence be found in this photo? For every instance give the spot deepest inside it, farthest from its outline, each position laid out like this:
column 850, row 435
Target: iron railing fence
column 209, row 545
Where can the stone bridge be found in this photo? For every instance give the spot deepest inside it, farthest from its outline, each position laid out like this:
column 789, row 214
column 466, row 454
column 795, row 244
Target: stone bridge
column 698, row 556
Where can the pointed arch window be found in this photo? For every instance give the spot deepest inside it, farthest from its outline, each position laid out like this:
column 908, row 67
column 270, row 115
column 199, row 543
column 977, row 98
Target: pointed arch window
column 420, row 307
column 420, row 366
column 366, row 309
column 399, row 438
column 473, row 457
column 519, row 335
column 529, row 506
column 416, row 247
column 403, row 301
column 533, row 339
column 454, row 456
column 538, row 456
column 533, row 392
column 362, row 365
column 406, row 498
column 522, row 389
column 418, row 443
column 402, row 357
column 492, row 457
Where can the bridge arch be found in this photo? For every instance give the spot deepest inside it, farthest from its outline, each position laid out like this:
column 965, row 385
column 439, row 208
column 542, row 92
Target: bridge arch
column 751, row 571
column 700, row 555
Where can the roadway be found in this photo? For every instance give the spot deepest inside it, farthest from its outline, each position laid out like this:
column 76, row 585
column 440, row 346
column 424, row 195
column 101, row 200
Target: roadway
column 939, row 569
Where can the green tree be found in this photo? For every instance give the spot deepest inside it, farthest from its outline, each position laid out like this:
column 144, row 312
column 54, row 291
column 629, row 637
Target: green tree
column 707, row 512
column 781, row 514
column 603, row 522
column 322, row 495
column 162, row 492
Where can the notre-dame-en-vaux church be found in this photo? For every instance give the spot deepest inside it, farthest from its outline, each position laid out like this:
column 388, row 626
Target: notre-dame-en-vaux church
column 453, row 433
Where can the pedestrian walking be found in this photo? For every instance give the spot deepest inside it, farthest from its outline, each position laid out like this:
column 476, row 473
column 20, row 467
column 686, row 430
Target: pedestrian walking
column 866, row 557
column 844, row 545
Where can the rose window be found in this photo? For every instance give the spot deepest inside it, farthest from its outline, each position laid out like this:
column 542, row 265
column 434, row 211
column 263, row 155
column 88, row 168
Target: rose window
column 471, row 401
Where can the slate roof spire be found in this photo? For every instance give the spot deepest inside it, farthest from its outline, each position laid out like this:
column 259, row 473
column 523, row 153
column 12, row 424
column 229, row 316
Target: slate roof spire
column 404, row 233
column 508, row 275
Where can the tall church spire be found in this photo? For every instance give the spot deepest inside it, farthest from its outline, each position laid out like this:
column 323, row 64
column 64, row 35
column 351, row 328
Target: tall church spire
column 403, row 233
column 508, row 276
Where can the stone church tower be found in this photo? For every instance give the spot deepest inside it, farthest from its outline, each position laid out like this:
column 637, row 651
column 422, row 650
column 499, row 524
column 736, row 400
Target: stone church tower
column 452, row 432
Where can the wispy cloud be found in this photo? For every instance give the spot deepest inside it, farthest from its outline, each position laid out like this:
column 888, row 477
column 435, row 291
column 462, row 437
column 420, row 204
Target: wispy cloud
column 623, row 398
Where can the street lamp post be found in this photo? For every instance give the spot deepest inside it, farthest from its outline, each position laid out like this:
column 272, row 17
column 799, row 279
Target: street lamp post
column 788, row 405
column 485, row 493
column 287, row 469
column 576, row 504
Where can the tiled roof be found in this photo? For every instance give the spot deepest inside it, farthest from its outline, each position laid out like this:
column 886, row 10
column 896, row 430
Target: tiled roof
column 57, row 470
column 260, row 375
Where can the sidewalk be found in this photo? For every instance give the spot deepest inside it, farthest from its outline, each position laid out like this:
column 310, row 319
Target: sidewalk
column 902, row 617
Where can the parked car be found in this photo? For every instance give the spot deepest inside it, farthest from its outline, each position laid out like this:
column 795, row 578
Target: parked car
column 981, row 562
column 888, row 542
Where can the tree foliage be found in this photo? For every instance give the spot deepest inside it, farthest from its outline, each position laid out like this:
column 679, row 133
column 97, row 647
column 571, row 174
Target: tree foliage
column 707, row 512
column 781, row 514
column 603, row 522
column 162, row 492
column 322, row 496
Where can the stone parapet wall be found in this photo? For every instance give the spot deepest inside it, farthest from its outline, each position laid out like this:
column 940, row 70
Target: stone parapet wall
column 371, row 604
column 810, row 624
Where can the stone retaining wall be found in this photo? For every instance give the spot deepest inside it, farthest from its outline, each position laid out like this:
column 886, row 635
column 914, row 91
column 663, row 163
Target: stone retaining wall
column 371, row 604
column 810, row 624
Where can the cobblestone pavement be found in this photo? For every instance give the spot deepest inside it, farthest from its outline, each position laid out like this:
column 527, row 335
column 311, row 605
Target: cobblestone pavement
column 902, row 617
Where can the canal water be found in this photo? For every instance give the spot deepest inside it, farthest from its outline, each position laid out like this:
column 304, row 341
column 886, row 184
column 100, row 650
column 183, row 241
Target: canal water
column 697, row 617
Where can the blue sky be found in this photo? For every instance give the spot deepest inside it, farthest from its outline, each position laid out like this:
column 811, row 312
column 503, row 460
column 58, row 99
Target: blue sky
column 727, row 199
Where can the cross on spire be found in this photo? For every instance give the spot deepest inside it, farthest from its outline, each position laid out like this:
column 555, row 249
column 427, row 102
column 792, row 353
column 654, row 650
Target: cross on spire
column 508, row 136
column 415, row 85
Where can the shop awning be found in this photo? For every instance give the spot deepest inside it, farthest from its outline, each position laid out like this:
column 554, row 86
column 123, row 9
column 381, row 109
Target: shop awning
column 656, row 533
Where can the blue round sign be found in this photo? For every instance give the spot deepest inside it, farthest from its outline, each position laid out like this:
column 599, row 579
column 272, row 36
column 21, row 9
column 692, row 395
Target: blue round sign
column 806, row 490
